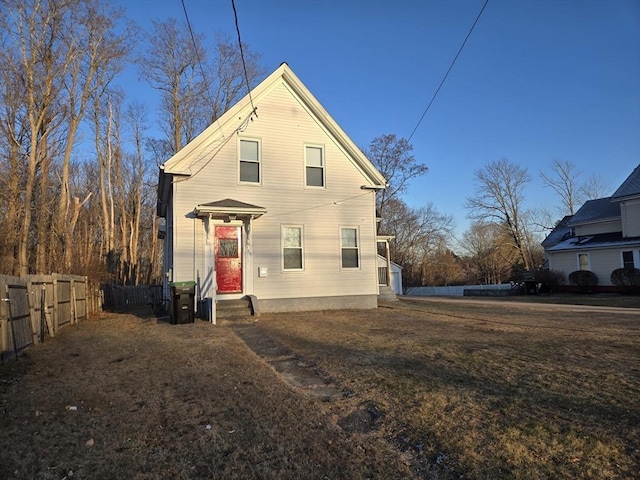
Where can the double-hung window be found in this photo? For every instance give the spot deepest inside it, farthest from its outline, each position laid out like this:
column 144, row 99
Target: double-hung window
column 292, row 254
column 349, row 247
column 627, row 259
column 583, row 261
column 314, row 166
column 249, row 161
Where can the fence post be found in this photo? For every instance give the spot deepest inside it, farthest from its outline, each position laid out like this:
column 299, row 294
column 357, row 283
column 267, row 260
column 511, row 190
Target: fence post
column 31, row 301
column 56, row 309
column 45, row 313
column 73, row 299
column 4, row 323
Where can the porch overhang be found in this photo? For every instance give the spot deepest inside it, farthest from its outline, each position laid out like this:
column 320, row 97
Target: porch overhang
column 384, row 238
column 229, row 209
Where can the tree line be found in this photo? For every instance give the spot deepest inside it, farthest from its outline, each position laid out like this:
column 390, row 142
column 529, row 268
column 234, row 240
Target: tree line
column 505, row 234
column 79, row 161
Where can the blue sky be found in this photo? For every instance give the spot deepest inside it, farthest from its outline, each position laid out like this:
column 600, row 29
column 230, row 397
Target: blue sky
column 538, row 80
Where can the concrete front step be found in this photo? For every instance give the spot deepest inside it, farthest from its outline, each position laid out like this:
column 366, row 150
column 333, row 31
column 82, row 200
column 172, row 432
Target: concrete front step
column 234, row 311
column 387, row 294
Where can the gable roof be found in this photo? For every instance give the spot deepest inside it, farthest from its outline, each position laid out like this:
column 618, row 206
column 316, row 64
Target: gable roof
column 232, row 121
column 598, row 210
column 561, row 232
column 229, row 206
column 630, row 187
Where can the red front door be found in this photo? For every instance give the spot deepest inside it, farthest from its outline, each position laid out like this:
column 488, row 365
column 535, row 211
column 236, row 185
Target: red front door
column 228, row 253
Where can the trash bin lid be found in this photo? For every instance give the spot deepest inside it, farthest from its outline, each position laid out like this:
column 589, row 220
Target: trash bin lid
column 182, row 284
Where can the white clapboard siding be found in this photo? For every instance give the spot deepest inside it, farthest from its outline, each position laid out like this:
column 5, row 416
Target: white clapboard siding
column 284, row 126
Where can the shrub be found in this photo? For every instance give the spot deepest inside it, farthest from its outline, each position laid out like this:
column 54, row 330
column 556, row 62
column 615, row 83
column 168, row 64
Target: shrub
column 626, row 277
column 584, row 279
column 550, row 280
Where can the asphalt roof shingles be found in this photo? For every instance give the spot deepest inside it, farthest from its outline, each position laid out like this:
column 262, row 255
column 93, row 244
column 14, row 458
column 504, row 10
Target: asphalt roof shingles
column 630, row 187
column 595, row 210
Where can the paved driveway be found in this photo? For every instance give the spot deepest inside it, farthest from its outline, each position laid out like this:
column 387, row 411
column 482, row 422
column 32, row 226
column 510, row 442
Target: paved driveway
column 526, row 305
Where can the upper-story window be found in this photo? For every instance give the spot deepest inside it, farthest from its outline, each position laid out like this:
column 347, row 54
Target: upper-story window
column 314, row 166
column 249, row 161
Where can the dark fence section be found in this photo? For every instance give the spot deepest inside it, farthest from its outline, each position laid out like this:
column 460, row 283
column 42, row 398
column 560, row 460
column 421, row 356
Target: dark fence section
column 119, row 298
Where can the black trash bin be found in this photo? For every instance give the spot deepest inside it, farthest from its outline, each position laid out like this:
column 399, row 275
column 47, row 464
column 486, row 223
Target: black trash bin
column 182, row 301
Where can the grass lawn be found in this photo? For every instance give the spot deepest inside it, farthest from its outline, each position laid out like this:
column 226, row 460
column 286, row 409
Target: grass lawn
column 601, row 299
column 485, row 391
column 430, row 390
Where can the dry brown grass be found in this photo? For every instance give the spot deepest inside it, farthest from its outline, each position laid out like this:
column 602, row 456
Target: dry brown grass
column 431, row 390
column 146, row 393
column 601, row 299
column 485, row 391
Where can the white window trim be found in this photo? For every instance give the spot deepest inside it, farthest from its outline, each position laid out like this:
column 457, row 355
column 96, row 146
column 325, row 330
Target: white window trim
column 259, row 162
column 282, row 227
column 588, row 260
column 324, row 166
column 359, row 247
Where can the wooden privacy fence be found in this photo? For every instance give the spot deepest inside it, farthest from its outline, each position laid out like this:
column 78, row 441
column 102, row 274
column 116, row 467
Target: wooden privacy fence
column 38, row 305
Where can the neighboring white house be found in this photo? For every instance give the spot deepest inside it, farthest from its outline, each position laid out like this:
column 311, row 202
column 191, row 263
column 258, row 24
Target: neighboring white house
column 602, row 236
column 273, row 200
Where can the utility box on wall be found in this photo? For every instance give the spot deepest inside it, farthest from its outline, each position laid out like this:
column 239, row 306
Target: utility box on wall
column 182, row 302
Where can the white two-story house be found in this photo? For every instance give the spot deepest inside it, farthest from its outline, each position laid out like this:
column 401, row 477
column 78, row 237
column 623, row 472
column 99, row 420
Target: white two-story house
column 602, row 236
column 273, row 201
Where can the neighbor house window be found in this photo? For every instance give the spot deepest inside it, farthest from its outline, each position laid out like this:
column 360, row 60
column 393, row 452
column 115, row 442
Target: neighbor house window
column 292, row 256
column 349, row 247
column 250, row 161
column 314, row 166
column 583, row 261
column 627, row 259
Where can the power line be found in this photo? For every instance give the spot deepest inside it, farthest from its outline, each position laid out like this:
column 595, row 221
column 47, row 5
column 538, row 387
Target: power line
column 195, row 46
column 244, row 65
column 199, row 60
column 449, row 70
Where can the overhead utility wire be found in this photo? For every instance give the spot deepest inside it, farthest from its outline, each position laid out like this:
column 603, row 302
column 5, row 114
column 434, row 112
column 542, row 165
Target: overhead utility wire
column 449, row 70
column 195, row 48
column 244, row 65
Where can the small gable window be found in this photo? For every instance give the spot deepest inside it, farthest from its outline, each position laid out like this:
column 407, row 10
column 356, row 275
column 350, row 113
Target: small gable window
column 314, row 166
column 249, row 161
column 349, row 247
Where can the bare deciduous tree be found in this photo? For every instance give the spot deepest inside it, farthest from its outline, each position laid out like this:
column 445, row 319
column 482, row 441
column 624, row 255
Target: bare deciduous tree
column 196, row 86
column 58, row 60
column 489, row 253
column 226, row 80
column 393, row 159
column 418, row 233
column 563, row 179
column 499, row 199
column 594, row 187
